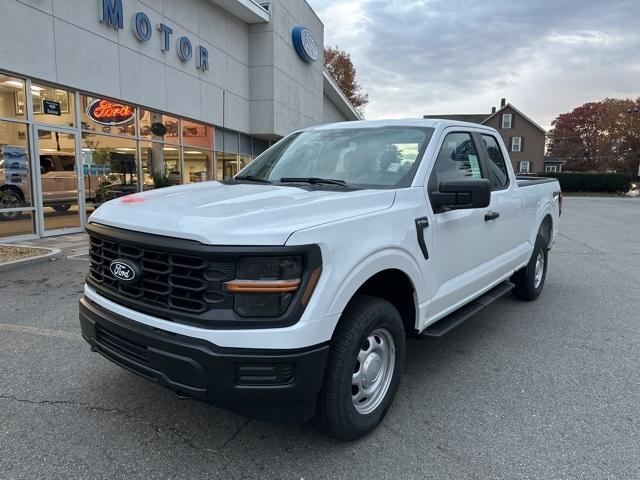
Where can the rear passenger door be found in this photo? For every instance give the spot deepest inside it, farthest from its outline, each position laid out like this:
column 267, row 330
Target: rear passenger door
column 466, row 241
column 508, row 202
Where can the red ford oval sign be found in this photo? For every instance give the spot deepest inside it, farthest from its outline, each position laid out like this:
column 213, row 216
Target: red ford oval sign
column 106, row 112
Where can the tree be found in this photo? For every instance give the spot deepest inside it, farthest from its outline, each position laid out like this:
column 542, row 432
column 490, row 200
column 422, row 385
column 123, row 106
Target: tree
column 339, row 65
column 597, row 136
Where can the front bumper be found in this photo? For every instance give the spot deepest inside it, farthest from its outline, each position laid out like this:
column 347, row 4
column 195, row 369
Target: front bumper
column 269, row 384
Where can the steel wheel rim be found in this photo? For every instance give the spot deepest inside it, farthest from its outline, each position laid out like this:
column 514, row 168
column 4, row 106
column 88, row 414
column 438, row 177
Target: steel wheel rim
column 373, row 371
column 9, row 200
column 537, row 279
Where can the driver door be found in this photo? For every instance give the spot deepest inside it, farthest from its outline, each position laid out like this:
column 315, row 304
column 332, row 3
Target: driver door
column 465, row 241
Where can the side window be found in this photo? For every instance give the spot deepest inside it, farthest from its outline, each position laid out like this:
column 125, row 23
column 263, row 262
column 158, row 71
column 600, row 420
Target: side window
column 457, row 160
column 497, row 164
column 68, row 163
column 46, row 164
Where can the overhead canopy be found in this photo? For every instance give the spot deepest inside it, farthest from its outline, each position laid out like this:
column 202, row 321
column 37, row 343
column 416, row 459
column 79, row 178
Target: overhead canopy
column 246, row 10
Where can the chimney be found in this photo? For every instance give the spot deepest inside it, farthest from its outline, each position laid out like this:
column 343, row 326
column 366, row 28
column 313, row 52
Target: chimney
column 503, row 102
column 493, row 110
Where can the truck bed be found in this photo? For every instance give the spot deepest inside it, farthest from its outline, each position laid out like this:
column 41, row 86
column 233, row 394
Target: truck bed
column 527, row 181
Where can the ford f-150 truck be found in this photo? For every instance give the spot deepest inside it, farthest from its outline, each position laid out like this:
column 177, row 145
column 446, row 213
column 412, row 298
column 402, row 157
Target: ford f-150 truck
column 288, row 291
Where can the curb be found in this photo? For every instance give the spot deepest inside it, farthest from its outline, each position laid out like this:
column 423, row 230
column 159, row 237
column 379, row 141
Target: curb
column 23, row 262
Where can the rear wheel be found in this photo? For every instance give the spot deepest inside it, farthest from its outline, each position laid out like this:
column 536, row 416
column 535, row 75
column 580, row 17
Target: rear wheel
column 10, row 199
column 530, row 280
column 364, row 368
column 61, row 208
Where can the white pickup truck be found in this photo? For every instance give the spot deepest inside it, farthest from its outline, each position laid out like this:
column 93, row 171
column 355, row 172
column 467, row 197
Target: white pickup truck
column 288, row 291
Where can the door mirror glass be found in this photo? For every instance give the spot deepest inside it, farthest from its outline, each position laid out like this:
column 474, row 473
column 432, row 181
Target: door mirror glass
column 461, row 194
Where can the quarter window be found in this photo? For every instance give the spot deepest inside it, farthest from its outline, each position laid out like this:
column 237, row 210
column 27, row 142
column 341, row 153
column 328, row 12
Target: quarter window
column 457, row 160
column 507, row 120
column 497, row 164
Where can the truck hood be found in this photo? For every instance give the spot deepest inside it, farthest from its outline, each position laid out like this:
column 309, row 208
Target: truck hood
column 214, row 213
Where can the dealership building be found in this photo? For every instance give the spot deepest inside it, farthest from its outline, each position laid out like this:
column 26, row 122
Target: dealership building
column 102, row 98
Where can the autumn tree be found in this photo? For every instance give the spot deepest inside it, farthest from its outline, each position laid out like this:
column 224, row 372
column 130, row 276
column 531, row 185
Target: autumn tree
column 597, row 136
column 339, row 65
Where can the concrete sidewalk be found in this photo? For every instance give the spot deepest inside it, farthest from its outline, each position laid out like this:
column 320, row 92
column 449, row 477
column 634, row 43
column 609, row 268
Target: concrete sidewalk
column 75, row 245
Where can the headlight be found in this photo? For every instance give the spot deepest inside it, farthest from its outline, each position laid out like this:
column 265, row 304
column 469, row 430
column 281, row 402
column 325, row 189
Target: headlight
column 265, row 286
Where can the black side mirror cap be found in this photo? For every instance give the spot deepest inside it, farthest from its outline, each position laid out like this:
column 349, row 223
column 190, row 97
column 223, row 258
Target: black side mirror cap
column 462, row 194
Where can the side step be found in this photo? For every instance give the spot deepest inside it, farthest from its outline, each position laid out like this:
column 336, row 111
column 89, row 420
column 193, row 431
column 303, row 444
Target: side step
column 451, row 321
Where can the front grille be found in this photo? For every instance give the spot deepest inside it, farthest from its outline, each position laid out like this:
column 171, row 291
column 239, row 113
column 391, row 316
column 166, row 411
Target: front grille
column 174, row 282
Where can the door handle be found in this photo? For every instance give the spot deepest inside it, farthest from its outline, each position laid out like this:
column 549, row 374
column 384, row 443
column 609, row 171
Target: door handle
column 421, row 224
column 491, row 216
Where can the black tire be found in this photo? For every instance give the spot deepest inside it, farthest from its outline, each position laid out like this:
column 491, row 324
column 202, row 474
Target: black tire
column 9, row 198
column 61, row 207
column 364, row 316
column 526, row 286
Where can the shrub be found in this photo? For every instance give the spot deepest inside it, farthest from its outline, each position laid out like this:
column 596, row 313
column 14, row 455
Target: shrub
column 161, row 180
column 592, row 182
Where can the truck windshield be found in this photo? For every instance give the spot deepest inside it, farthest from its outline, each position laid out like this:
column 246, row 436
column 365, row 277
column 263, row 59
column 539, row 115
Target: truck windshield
column 385, row 157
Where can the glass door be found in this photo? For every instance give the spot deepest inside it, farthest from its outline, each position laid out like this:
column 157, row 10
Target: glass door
column 59, row 196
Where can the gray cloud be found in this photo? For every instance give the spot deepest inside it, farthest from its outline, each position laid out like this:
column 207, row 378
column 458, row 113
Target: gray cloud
column 459, row 56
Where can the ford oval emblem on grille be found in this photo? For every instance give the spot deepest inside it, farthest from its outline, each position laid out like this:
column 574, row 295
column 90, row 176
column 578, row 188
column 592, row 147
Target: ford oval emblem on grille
column 125, row 270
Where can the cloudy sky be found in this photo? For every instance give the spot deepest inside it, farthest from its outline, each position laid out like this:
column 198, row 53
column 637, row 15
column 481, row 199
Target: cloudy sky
column 546, row 57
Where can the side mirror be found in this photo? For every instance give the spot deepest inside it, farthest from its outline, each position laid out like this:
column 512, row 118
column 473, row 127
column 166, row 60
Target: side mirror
column 459, row 194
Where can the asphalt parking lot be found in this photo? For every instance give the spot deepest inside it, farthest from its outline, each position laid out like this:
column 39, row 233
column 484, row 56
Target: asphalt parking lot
column 549, row 389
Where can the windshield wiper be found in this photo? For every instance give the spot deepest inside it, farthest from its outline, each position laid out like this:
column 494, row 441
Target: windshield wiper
column 313, row 181
column 252, row 178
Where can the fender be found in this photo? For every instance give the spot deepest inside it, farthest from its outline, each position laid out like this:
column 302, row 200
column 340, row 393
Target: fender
column 371, row 264
column 546, row 209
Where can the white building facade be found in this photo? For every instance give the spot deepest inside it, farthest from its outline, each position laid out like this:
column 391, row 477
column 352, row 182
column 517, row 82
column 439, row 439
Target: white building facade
column 101, row 98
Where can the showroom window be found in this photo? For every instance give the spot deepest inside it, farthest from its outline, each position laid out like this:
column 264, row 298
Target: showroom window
column 160, row 165
column 159, row 127
column 123, row 149
column 53, row 105
column 16, row 197
column 112, row 167
column 198, row 165
column 228, row 157
column 12, row 98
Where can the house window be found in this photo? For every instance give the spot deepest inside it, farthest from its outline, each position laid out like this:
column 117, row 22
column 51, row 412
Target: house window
column 516, row 144
column 507, row 120
column 550, row 168
column 524, row 167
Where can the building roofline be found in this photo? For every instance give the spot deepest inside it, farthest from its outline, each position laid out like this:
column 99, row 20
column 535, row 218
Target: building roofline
column 332, row 90
column 519, row 113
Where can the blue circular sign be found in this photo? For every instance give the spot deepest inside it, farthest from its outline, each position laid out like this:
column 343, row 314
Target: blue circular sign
column 305, row 45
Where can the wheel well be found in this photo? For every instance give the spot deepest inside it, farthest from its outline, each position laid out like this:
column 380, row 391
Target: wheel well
column 14, row 189
column 395, row 287
column 546, row 229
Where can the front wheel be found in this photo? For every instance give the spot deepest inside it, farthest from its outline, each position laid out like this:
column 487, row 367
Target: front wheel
column 530, row 280
column 364, row 368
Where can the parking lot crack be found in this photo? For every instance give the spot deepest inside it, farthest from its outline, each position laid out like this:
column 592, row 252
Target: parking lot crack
column 63, row 402
column 235, row 434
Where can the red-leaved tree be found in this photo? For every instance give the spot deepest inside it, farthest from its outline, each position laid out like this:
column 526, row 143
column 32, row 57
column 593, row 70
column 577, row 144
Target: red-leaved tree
column 598, row 136
column 339, row 65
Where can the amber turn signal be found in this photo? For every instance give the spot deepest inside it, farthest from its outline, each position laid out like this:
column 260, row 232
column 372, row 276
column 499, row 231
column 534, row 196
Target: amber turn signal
column 262, row 286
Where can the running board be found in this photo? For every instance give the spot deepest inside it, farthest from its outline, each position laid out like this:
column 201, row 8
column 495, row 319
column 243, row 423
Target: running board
column 451, row 321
